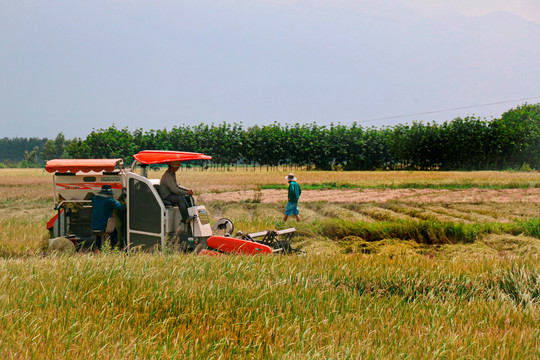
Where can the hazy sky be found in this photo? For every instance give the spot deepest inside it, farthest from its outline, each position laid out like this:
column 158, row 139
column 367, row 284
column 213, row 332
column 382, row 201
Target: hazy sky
column 78, row 65
column 528, row 9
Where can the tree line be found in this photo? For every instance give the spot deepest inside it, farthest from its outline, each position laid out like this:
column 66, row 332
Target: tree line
column 469, row 143
column 13, row 151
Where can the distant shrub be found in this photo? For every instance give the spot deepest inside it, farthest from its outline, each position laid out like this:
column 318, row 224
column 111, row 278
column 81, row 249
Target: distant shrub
column 525, row 168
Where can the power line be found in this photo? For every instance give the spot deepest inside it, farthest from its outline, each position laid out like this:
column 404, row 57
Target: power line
column 451, row 109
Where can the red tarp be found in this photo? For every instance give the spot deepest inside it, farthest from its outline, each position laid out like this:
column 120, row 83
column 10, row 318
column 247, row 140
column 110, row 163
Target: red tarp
column 162, row 157
column 84, row 165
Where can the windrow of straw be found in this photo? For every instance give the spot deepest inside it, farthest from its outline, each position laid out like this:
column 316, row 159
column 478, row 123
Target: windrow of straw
column 423, row 232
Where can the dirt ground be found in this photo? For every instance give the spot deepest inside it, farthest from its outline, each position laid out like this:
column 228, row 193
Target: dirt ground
column 530, row 195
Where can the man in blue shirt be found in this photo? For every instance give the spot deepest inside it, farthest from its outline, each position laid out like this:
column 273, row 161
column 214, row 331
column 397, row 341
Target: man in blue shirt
column 294, row 195
column 103, row 204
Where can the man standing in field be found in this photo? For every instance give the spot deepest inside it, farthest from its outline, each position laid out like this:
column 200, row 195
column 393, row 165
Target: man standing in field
column 294, row 195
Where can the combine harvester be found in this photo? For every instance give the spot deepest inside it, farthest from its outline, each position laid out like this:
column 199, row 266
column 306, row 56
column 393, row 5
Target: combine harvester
column 149, row 222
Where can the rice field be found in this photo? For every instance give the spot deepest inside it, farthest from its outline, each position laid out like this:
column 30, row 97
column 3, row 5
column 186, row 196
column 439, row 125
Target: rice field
column 155, row 307
column 400, row 278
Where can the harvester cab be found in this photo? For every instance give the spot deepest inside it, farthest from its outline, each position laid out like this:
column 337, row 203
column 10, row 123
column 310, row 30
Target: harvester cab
column 149, row 223
column 151, row 220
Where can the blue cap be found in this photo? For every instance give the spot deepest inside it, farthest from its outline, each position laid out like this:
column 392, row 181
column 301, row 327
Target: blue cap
column 106, row 189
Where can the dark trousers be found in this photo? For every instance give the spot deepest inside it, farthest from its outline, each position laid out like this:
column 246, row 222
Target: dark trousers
column 181, row 202
column 98, row 243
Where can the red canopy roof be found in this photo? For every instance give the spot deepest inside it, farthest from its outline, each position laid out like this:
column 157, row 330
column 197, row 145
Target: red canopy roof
column 162, row 156
column 84, row 165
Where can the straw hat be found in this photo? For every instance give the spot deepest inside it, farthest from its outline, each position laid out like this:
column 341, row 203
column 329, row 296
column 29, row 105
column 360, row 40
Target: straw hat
column 175, row 163
column 290, row 177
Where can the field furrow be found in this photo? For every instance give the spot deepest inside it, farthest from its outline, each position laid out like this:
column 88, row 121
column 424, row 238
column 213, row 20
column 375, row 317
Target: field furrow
column 379, row 212
column 500, row 212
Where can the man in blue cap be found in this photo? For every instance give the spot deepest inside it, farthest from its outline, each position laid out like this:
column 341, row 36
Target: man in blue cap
column 103, row 204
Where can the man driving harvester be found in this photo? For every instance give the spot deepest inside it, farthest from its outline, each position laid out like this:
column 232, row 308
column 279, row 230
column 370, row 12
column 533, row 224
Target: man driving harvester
column 174, row 193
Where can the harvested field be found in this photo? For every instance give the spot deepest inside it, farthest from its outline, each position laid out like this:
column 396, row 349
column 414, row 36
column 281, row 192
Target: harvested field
column 473, row 195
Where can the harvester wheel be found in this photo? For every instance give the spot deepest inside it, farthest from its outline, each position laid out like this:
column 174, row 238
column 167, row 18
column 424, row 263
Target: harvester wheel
column 222, row 227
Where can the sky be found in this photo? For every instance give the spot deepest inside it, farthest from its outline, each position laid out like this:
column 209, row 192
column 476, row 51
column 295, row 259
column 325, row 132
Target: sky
column 73, row 66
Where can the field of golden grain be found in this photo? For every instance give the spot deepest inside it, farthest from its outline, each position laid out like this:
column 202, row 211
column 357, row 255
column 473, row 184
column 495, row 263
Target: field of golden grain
column 405, row 277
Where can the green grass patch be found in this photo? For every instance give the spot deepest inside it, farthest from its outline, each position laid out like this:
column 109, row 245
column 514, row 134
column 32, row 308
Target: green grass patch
column 412, row 185
column 317, row 186
column 530, row 227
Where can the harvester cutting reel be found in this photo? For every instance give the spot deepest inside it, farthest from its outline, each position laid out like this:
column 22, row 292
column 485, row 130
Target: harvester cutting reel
column 278, row 240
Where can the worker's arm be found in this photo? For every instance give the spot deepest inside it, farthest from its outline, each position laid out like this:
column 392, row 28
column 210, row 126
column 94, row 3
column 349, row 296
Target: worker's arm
column 117, row 204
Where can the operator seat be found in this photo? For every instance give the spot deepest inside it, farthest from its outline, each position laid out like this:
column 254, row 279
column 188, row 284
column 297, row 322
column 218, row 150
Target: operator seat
column 160, row 192
column 187, row 198
column 106, row 234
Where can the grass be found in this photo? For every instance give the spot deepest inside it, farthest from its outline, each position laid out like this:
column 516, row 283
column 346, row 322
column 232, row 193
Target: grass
column 22, row 237
column 218, row 181
column 367, row 306
column 389, row 280
column 531, row 227
column 417, row 185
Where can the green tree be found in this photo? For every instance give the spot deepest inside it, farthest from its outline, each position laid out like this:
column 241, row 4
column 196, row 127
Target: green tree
column 354, row 147
column 55, row 149
column 517, row 134
column 377, row 152
column 265, row 145
column 13, row 149
column 30, row 158
column 468, row 143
